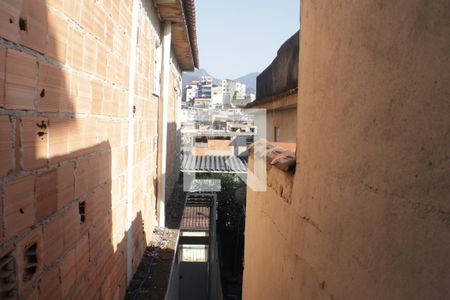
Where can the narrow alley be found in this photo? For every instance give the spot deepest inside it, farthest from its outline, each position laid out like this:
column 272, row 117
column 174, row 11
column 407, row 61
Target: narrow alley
column 313, row 164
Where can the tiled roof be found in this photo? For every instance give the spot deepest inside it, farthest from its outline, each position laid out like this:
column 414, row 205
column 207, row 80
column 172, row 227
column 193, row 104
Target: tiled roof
column 197, row 211
column 189, row 10
column 280, row 155
column 181, row 14
column 195, row 218
column 213, row 164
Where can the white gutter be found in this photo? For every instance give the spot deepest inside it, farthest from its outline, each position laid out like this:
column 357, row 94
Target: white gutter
column 163, row 121
column 130, row 160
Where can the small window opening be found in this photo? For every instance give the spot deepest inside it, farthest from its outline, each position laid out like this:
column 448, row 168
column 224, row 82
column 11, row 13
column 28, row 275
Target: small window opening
column 82, row 211
column 31, row 262
column 23, row 24
column 8, row 279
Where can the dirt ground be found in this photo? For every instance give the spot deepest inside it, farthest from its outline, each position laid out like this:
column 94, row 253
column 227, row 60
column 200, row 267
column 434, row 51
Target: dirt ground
column 152, row 277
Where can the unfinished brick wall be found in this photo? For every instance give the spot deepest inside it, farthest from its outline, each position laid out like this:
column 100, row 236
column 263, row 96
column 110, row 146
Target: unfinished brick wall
column 64, row 82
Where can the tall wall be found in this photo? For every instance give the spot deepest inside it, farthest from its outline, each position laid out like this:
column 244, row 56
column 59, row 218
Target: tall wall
column 369, row 217
column 269, row 259
column 65, row 146
column 282, row 74
column 374, row 172
column 174, row 129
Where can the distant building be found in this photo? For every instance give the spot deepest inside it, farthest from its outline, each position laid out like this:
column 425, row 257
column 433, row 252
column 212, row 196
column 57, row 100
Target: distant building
column 202, row 102
column 240, row 90
column 276, row 91
column 232, row 90
column 205, row 87
column 216, row 96
column 224, row 143
column 192, row 91
column 228, row 89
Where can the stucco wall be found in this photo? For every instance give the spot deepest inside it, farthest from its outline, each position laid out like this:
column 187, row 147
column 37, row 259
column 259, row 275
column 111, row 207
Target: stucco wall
column 282, row 74
column 373, row 150
column 286, row 120
column 269, row 259
column 370, row 211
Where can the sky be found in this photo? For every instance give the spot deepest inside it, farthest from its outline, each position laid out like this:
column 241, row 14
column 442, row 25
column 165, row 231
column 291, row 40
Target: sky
column 237, row 37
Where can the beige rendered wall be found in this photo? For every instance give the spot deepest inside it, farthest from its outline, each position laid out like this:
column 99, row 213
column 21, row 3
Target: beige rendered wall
column 373, row 150
column 269, row 259
column 370, row 211
column 286, row 120
column 64, row 147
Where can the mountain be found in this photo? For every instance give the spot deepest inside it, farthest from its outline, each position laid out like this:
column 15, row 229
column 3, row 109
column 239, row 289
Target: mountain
column 250, row 81
column 196, row 75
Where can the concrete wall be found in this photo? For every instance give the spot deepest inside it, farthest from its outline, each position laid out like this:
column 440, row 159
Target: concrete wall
column 282, row 74
column 65, row 161
column 369, row 217
column 286, row 120
column 269, row 262
column 281, row 112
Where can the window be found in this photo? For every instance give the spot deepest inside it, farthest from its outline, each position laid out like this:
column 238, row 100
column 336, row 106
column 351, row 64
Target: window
column 193, row 253
column 276, row 134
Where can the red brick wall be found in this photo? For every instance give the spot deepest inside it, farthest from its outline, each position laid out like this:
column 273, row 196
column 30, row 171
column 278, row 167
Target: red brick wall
column 64, row 146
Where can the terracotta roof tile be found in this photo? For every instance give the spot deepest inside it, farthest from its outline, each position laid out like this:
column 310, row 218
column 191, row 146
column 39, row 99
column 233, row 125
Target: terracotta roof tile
column 189, row 10
column 197, row 211
column 280, row 155
column 195, row 218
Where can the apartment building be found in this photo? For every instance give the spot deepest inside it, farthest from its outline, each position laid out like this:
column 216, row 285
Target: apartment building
column 232, row 89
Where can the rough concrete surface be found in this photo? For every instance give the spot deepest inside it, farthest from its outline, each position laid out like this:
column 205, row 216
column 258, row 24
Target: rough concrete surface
column 370, row 210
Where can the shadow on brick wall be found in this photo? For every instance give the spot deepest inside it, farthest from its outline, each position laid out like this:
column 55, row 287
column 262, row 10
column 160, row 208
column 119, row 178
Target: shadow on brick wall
column 63, row 196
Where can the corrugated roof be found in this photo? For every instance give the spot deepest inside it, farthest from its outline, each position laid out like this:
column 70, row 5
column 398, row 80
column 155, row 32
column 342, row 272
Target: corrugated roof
column 196, row 132
column 213, row 164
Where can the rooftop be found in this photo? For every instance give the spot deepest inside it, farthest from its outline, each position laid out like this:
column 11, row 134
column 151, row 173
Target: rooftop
column 213, row 164
column 181, row 13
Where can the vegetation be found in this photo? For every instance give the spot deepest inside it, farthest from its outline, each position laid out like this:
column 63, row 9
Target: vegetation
column 230, row 211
